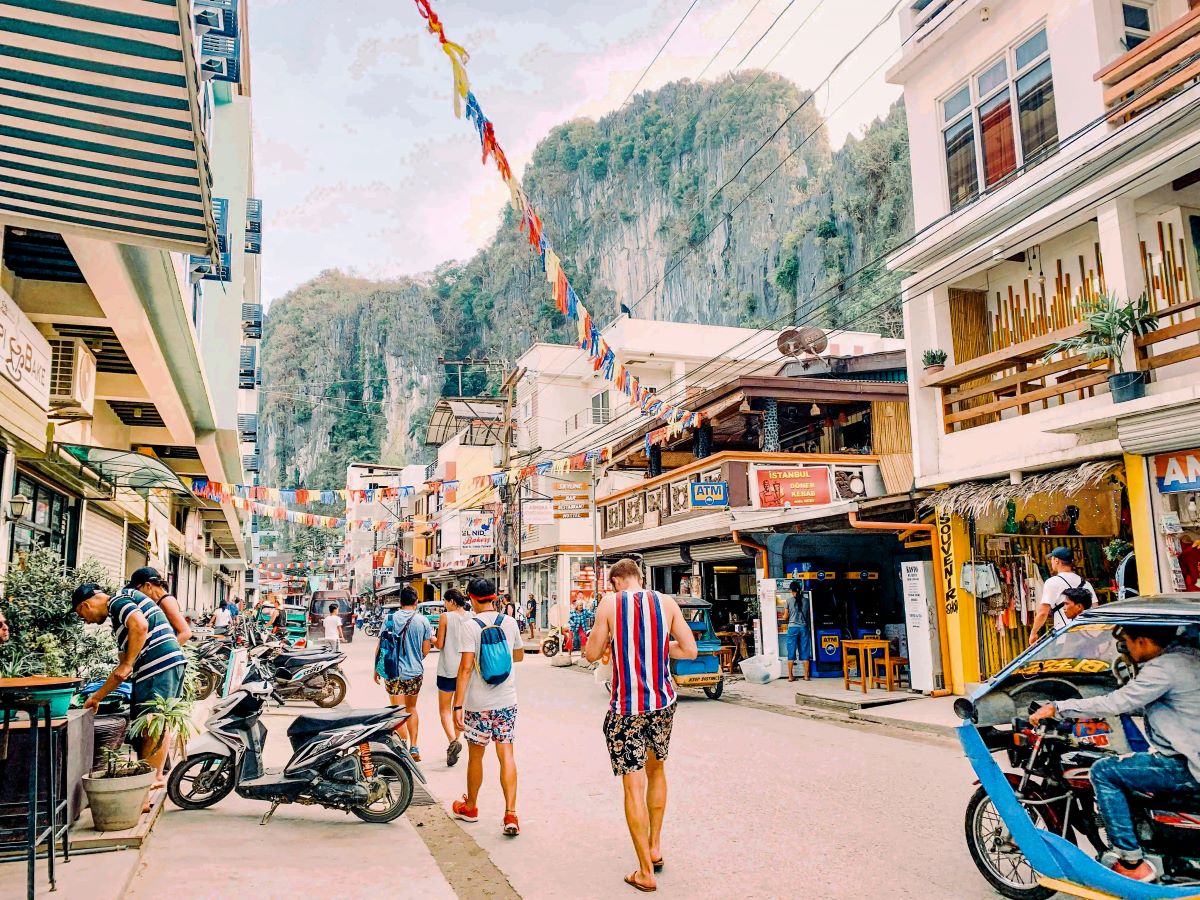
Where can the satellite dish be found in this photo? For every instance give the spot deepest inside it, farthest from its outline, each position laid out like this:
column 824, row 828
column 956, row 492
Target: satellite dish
column 789, row 343
column 812, row 340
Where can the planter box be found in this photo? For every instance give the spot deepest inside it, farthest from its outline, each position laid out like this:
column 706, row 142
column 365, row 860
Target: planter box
column 73, row 741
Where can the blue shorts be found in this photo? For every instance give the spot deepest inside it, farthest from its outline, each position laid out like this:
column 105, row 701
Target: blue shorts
column 447, row 683
column 799, row 643
column 168, row 683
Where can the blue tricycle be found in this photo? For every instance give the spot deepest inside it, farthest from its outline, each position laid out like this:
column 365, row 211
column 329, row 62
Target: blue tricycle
column 705, row 670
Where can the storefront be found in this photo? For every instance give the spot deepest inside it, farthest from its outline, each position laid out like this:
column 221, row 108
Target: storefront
column 1176, row 516
column 51, row 519
column 1006, row 530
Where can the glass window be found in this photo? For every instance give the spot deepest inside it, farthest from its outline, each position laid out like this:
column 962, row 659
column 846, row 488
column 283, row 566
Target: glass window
column 1030, row 50
column 1035, row 102
column 960, row 162
column 1136, row 18
column 956, row 104
column 992, row 77
column 600, row 410
column 999, row 144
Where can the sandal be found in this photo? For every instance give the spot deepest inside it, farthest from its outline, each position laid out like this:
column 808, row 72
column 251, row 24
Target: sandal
column 658, row 864
column 632, row 882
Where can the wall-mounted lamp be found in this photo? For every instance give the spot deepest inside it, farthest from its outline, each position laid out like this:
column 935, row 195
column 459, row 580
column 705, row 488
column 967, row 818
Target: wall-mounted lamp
column 18, row 507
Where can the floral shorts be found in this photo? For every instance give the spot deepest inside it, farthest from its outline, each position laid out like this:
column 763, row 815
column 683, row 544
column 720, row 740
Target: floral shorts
column 496, row 725
column 404, row 687
column 630, row 738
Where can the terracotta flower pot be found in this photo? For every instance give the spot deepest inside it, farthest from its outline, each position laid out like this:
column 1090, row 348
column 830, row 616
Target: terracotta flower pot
column 934, row 369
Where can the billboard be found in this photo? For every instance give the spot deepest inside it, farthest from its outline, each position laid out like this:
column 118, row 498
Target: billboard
column 779, row 487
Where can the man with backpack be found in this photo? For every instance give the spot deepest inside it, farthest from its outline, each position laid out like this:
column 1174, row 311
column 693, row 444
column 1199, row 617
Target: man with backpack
column 404, row 643
column 485, row 700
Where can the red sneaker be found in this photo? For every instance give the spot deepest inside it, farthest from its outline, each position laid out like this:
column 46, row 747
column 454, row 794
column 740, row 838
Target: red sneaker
column 511, row 826
column 1143, row 871
column 464, row 812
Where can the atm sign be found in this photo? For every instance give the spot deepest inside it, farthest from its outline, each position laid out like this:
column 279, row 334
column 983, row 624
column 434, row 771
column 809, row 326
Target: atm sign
column 706, row 494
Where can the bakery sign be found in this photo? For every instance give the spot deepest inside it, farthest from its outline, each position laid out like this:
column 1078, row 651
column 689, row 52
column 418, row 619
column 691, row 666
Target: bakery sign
column 478, row 533
column 24, row 353
column 1178, row 472
column 780, row 487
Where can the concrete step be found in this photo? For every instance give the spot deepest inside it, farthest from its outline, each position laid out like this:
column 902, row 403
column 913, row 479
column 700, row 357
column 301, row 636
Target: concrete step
column 846, row 704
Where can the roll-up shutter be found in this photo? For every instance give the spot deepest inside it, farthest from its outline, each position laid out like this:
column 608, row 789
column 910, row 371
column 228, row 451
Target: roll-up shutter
column 668, row 556
column 721, row 550
column 103, row 539
column 1161, row 430
column 137, row 547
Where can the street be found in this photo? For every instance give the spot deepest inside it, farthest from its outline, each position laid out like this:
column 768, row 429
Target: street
column 761, row 805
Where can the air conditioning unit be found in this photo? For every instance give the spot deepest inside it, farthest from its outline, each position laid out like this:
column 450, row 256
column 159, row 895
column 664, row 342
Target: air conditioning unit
column 72, row 378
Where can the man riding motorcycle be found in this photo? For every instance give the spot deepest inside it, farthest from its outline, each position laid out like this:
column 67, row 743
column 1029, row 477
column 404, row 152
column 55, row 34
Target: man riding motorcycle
column 1166, row 690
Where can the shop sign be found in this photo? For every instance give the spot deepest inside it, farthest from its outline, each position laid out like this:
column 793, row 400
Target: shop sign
column 24, row 353
column 537, row 512
column 1178, row 472
column 707, row 494
column 478, row 533
column 779, row 487
column 829, row 646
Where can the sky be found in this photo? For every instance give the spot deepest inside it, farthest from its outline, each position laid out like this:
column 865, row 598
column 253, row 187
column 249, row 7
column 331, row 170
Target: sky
column 362, row 165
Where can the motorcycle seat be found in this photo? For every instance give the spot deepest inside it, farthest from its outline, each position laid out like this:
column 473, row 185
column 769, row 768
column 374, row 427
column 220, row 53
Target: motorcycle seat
column 310, row 724
column 304, row 658
column 1174, row 801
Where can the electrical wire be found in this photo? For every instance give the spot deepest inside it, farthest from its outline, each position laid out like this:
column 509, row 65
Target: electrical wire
column 650, row 65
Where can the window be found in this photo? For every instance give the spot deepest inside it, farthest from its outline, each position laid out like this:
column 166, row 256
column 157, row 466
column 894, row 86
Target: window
column 1000, row 120
column 1136, row 20
column 47, row 524
column 600, row 408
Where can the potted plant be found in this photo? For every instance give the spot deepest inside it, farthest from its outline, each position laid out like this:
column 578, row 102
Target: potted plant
column 117, row 791
column 1108, row 326
column 166, row 719
column 934, row 360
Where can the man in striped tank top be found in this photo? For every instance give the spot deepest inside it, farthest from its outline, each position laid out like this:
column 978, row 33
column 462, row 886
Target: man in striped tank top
column 640, row 625
column 150, row 654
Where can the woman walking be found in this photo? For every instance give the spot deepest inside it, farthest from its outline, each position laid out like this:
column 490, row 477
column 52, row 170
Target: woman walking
column 449, row 642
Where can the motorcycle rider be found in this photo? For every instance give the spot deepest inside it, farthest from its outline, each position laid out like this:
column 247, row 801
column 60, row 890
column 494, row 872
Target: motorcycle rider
column 1166, row 690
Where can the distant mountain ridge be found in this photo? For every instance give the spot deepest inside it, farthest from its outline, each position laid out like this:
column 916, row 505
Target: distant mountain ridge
column 654, row 206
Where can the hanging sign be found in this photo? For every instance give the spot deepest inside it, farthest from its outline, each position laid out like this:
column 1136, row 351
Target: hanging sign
column 778, row 487
column 478, row 533
column 537, row 512
column 1178, row 472
column 24, row 353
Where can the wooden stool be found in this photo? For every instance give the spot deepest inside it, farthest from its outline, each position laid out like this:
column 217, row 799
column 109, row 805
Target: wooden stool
column 725, row 654
column 890, row 669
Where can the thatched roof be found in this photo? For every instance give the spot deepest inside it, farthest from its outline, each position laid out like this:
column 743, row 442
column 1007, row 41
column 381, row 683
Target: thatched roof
column 976, row 498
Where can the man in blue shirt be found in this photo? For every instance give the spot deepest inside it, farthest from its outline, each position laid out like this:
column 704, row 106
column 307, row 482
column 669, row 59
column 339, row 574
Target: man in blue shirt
column 410, row 635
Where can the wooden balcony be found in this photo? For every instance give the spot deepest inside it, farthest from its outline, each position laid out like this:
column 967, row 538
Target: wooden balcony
column 1016, row 378
column 1153, row 71
column 1175, row 326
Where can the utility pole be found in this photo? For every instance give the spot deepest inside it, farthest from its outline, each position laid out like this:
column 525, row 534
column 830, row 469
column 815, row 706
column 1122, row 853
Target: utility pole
column 595, row 536
column 507, row 434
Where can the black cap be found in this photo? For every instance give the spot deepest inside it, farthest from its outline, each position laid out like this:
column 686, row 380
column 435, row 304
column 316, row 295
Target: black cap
column 145, row 575
column 83, row 593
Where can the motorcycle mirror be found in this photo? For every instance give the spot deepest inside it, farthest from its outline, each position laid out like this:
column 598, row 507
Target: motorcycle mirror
column 964, row 709
column 1035, row 705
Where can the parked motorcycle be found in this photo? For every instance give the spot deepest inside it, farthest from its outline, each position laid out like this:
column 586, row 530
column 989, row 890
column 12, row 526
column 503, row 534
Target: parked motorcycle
column 345, row 759
column 314, row 675
column 374, row 624
column 555, row 643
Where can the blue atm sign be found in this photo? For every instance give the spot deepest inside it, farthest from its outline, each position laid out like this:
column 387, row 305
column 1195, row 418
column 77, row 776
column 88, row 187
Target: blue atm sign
column 707, row 494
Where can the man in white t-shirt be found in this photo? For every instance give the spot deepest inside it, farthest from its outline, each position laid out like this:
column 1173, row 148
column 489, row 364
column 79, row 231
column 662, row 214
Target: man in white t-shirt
column 487, row 712
column 221, row 619
column 332, row 624
column 1063, row 576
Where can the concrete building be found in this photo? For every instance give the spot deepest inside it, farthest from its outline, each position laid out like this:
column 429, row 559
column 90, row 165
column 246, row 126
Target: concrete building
column 377, row 557
column 125, row 128
column 1056, row 162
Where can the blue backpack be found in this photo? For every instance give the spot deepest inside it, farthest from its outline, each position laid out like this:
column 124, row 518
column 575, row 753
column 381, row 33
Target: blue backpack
column 390, row 642
column 494, row 663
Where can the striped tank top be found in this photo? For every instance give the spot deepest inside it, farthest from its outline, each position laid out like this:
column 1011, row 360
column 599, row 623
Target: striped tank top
column 641, row 674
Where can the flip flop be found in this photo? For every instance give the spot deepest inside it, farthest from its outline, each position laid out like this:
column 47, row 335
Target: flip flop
column 657, row 863
column 629, row 880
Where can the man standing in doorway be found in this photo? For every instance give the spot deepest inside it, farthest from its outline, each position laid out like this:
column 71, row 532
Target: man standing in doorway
column 799, row 634
column 400, row 661
column 485, row 700
column 1063, row 576
column 640, row 624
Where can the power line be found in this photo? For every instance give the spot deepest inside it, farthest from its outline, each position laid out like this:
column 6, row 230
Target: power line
column 645, row 71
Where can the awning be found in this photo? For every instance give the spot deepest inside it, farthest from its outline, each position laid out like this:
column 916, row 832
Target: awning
column 479, row 419
column 978, row 498
column 100, row 122
column 1162, row 430
column 753, row 519
column 127, row 469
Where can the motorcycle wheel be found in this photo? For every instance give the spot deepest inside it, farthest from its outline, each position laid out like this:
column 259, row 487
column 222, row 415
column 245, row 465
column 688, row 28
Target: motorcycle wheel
column 399, row 790
column 206, row 683
column 335, row 691
column 201, row 781
column 715, row 692
column 549, row 648
column 1006, row 870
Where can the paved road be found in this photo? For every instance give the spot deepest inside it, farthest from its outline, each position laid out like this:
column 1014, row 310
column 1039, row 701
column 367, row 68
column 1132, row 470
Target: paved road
column 762, row 805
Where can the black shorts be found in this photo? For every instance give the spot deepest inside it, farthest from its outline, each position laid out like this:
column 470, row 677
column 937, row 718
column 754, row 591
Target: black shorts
column 447, row 683
column 630, row 738
column 168, row 683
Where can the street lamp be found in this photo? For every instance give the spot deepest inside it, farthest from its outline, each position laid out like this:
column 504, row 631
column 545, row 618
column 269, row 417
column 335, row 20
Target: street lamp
column 18, row 507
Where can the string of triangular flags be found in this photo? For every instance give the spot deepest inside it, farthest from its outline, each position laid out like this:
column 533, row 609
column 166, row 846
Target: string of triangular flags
column 280, row 513
column 575, row 463
column 566, row 300
column 328, row 562
column 221, row 491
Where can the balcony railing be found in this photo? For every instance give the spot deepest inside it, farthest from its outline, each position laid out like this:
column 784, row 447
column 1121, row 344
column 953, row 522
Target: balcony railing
column 1153, row 71
column 1016, row 379
column 1170, row 344
column 252, row 320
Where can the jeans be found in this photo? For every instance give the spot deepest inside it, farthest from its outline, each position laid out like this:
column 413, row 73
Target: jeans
column 1116, row 777
column 799, row 644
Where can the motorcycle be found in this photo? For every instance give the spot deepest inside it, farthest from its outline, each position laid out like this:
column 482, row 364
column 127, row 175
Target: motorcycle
column 555, row 643
column 374, row 624
column 1025, row 828
column 350, row 760
column 314, row 675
